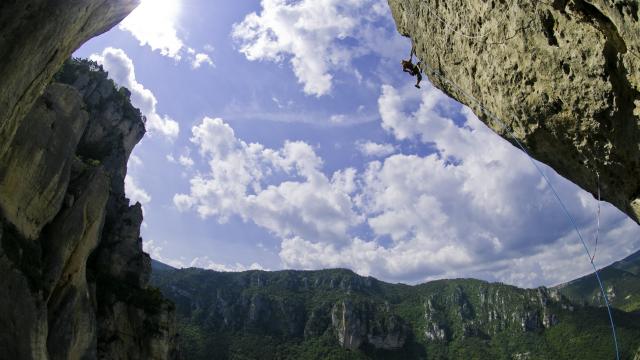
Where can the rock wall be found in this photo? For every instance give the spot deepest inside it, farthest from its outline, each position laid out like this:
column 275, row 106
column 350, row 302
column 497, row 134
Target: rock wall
column 563, row 74
column 489, row 310
column 71, row 248
column 362, row 323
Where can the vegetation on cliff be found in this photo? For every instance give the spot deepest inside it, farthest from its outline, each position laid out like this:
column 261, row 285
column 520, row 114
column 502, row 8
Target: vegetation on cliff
column 336, row 314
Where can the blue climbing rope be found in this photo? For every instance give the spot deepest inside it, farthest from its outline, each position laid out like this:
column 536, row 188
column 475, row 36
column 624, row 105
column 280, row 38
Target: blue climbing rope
column 555, row 193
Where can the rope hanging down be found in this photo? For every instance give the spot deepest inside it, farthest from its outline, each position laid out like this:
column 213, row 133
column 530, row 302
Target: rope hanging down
column 595, row 248
column 553, row 190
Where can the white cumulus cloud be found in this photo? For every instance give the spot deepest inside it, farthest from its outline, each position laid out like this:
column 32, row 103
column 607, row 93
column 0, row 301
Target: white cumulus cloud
column 135, row 192
column 154, row 23
column 186, row 161
column 200, row 59
column 373, row 149
column 205, row 262
column 307, row 203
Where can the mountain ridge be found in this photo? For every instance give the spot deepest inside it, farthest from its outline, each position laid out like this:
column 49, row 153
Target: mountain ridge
column 337, row 314
column 621, row 280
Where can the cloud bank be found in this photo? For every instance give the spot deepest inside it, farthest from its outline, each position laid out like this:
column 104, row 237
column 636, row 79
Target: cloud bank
column 308, row 203
column 475, row 207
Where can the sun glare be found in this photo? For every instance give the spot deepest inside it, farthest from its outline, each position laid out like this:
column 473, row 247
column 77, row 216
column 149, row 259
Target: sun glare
column 153, row 12
column 154, row 23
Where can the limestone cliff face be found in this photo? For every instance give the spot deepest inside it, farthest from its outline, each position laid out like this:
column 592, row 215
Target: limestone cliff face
column 563, row 74
column 366, row 323
column 73, row 272
column 494, row 310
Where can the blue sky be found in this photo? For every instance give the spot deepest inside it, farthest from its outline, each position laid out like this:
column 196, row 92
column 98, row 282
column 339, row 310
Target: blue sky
column 283, row 134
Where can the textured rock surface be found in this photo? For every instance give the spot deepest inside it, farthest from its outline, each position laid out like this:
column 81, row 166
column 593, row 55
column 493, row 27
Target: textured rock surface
column 24, row 322
column 498, row 308
column 364, row 323
column 128, row 331
column 36, row 36
column 563, row 74
column 66, row 246
column 71, row 248
column 34, row 175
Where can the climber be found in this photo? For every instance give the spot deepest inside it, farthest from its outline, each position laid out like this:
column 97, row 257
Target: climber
column 413, row 70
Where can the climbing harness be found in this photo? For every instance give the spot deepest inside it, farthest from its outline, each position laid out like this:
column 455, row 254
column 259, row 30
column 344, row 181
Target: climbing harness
column 511, row 133
column 413, row 70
